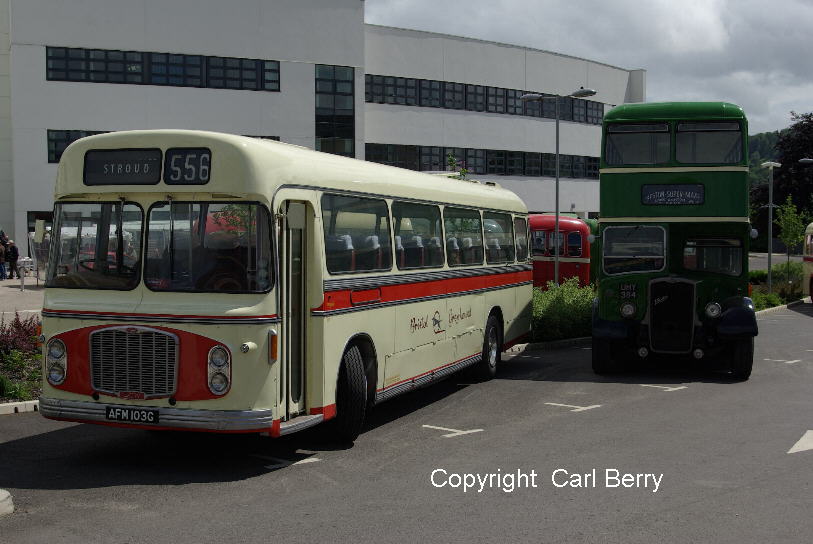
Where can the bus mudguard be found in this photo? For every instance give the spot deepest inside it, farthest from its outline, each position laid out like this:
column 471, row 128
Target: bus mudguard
column 738, row 318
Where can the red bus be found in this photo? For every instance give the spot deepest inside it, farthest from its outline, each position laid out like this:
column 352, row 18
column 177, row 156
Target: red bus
column 574, row 248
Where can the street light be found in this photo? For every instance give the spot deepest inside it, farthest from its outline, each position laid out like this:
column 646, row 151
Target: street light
column 534, row 97
column 770, row 165
column 806, row 161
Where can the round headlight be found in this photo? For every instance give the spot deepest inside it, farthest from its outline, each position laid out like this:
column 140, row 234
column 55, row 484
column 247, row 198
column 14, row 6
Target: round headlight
column 218, row 357
column 627, row 309
column 713, row 310
column 56, row 349
column 218, row 383
column 56, row 374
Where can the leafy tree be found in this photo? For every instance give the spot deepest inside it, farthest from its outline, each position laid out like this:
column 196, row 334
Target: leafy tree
column 792, row 224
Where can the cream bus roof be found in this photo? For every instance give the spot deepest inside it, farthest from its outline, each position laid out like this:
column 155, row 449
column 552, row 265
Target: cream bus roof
column 255, row 167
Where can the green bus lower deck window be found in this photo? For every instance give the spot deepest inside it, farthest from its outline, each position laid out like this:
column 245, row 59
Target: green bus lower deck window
column 719, row 255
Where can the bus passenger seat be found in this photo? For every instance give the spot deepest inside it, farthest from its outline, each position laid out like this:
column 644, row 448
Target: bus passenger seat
column 453, row 251
column 399, row 252
column 341, row 256
column 494, row 250
column 435, row 251
column 414, row 252
column 370, row 254
column 468, row 251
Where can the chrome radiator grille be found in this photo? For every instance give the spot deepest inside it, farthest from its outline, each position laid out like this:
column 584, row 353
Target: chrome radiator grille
column 134, row 360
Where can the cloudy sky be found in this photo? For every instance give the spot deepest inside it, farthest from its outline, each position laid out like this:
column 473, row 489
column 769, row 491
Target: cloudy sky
column 757, row 54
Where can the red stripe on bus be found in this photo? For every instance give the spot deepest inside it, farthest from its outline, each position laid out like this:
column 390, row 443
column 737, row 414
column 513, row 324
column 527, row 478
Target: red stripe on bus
column 329, row 411
column 340, row 300
column 171, row 316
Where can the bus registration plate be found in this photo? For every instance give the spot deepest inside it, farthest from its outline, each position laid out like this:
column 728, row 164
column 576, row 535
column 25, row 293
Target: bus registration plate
column 131, row 415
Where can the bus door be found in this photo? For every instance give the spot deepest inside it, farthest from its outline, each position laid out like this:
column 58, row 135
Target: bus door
column 293, row 243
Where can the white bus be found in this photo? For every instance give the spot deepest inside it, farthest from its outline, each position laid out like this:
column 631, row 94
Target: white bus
column 213, row 282
column 807, row 261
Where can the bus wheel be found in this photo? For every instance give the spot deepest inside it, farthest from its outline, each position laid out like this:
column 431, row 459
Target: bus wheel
column 604, row 360
column 490, row 358
column 351, row 396
column 742, row 359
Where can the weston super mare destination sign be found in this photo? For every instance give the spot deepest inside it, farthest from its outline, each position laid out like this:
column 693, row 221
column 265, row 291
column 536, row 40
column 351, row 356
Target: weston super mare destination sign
column 672, row 195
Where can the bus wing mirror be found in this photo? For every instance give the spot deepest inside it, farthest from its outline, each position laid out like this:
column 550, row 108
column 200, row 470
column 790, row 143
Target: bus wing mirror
column 754, row 234
column 591, row 238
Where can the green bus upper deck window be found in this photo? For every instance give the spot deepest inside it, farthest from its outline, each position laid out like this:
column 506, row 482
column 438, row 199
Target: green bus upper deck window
column 637, row 144
column 709, row 143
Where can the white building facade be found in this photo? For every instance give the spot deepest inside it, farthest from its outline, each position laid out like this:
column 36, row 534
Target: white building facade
column 308, row 72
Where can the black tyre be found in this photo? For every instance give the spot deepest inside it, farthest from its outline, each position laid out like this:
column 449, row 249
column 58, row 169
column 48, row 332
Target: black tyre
column 486, row 368
column 604, row 360
column 351, row 396
column 742, row 359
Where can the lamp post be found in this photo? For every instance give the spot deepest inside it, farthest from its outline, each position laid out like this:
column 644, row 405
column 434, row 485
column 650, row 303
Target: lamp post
column 534, row 97
column 770, row 166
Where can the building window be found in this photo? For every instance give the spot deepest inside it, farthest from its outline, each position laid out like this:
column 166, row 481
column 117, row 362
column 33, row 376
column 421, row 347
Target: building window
column 58, row 140
column 565, row 166
column 176, row 70
column 454, row 96
column 549, row 165
column 135, row 67
column 592, row 167
column 579, row 110
column 495, row 162
column 475, row 98
column 374, row 89
column 400, row 90
column 402, row 156
column 459, row 155
column 430, row 93
column 533, row 164
column 432, row 159
column 595, row 112
column 514, row 105
column 549, row 108
column 579, row 167
column 495, row 100
column 565, row 108
column 476, row 161
column 514, row 163
column 335, row 113
column 533, row 108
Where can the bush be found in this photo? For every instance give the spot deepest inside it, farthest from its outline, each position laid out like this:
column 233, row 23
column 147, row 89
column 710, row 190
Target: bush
column 758, row 276
column 765, row 300
column 562, row 312
column 20, row 372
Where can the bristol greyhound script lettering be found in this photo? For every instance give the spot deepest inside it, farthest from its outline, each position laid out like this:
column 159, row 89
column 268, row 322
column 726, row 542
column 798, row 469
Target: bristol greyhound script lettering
column 458, row 314
column 418, row 323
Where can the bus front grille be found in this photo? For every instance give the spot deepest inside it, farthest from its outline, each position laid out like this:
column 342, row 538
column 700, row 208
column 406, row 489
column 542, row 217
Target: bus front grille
column 671, row 315
column 137, row 361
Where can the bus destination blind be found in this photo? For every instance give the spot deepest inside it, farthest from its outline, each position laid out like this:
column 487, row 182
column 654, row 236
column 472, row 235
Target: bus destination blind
column 122, row 167
column 672, row 195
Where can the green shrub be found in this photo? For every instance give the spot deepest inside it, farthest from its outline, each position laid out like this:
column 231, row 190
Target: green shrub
column 765, row 300
column 20, row 372
column 758, row 276
column 562, row 312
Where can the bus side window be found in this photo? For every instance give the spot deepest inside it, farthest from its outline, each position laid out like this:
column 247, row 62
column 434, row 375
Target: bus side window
column 357, row 234
column 539, row 240
column 521, row 239
column 499, row 229
column 417, row 226
column 574, row 244
column 466, row 226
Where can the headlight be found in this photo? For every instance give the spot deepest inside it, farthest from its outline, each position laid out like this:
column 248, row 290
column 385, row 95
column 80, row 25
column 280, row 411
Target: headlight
column 56, row 374
column 218, row 383
column 713, row 310
column 56, row 349
column 218, row 357
column 627, row 309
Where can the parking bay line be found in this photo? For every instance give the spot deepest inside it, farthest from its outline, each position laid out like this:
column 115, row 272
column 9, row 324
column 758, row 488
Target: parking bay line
column 575, row 408
column 664, row 387
column 786, row 361
column 453, row 432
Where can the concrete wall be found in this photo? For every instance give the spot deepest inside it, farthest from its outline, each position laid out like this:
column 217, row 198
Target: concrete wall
column 298, row 33
column 6, row 178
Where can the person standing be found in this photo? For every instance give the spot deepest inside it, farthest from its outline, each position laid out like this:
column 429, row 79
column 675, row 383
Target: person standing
column 12, row 254
column 2, row 262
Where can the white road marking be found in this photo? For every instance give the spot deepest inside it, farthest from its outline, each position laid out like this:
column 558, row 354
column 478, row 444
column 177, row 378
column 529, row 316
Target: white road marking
column 276, row 462
column 307, row 460
column 805, row 443
column 664, row 387
column 786, row 361
column 575, row 408
column 453, row 432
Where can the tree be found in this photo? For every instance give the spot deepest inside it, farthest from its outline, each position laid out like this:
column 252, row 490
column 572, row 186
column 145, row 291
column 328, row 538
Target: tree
column 792, row 224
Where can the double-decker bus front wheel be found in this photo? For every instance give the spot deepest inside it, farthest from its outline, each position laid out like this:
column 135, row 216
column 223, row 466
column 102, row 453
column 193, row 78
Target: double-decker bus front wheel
column 742, row 358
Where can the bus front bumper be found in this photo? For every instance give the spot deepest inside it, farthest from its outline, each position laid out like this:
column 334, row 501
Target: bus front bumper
column 168, row 418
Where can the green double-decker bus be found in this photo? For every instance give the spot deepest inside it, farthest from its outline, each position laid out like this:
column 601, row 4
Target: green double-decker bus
column 673, row 237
